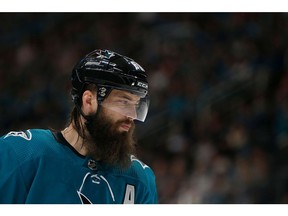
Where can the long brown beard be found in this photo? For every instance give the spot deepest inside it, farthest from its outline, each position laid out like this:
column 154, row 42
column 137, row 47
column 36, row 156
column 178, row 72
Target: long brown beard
column 107, row 144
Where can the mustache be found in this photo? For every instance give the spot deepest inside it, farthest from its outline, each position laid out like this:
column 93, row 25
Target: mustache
column 126, row 121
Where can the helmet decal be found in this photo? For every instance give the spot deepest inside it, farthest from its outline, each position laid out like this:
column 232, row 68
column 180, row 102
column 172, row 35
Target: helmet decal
column 136, row 65
column 108, row 54
column 143, row 85
column 102, row 91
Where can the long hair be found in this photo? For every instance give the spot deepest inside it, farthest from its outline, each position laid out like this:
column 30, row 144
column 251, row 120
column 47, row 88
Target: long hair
column 75, row 115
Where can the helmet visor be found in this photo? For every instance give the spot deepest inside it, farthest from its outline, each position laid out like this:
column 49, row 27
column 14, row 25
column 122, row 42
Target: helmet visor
column 127, row 105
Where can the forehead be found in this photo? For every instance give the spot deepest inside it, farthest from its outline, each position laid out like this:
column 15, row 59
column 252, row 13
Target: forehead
column 124, row 94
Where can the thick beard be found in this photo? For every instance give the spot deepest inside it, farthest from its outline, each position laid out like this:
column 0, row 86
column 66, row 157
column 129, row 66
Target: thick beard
column 107, row 144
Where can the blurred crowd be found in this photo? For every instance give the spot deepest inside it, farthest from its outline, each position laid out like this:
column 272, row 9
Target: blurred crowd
column 217, row 127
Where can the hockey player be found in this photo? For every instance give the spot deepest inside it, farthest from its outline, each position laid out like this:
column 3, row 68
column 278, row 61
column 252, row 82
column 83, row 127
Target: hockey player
column 91, row 160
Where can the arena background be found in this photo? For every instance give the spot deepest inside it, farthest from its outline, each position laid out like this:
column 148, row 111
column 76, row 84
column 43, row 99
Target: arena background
column 217, row 128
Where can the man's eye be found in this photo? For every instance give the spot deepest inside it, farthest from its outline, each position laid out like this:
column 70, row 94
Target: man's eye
column 126, row 102
column 123, row 102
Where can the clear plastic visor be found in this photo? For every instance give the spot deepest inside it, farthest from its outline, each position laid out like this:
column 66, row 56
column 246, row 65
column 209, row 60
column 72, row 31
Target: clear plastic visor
column 127, row 104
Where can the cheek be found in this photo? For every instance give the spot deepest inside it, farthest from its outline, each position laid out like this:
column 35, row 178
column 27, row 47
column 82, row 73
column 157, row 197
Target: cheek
column 112, row 116
column 117, row 121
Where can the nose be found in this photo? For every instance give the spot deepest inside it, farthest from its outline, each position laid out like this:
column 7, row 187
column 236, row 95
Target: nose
column 131, row 112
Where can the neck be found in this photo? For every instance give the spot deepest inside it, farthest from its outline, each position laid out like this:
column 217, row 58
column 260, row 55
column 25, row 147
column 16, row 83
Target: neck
column 73, row 138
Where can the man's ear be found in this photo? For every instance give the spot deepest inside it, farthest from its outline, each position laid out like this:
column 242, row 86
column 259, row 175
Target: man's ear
column 89, row 102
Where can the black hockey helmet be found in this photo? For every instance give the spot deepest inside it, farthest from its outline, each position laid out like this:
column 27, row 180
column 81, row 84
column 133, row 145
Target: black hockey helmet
column 110, row 70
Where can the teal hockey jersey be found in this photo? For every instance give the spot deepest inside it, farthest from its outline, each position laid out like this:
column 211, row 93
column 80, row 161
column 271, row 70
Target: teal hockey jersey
column 39, row 166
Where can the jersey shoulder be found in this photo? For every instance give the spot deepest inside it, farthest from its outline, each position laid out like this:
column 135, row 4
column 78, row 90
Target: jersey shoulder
column 138, row 170
column 26, row 143
column 144, row 174
column 141, row 171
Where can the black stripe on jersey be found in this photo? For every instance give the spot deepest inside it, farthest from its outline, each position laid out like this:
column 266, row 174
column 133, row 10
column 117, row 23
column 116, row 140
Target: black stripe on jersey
column 60, row 139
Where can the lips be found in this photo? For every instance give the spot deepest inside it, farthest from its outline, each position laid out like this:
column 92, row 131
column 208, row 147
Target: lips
column 126, row 127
